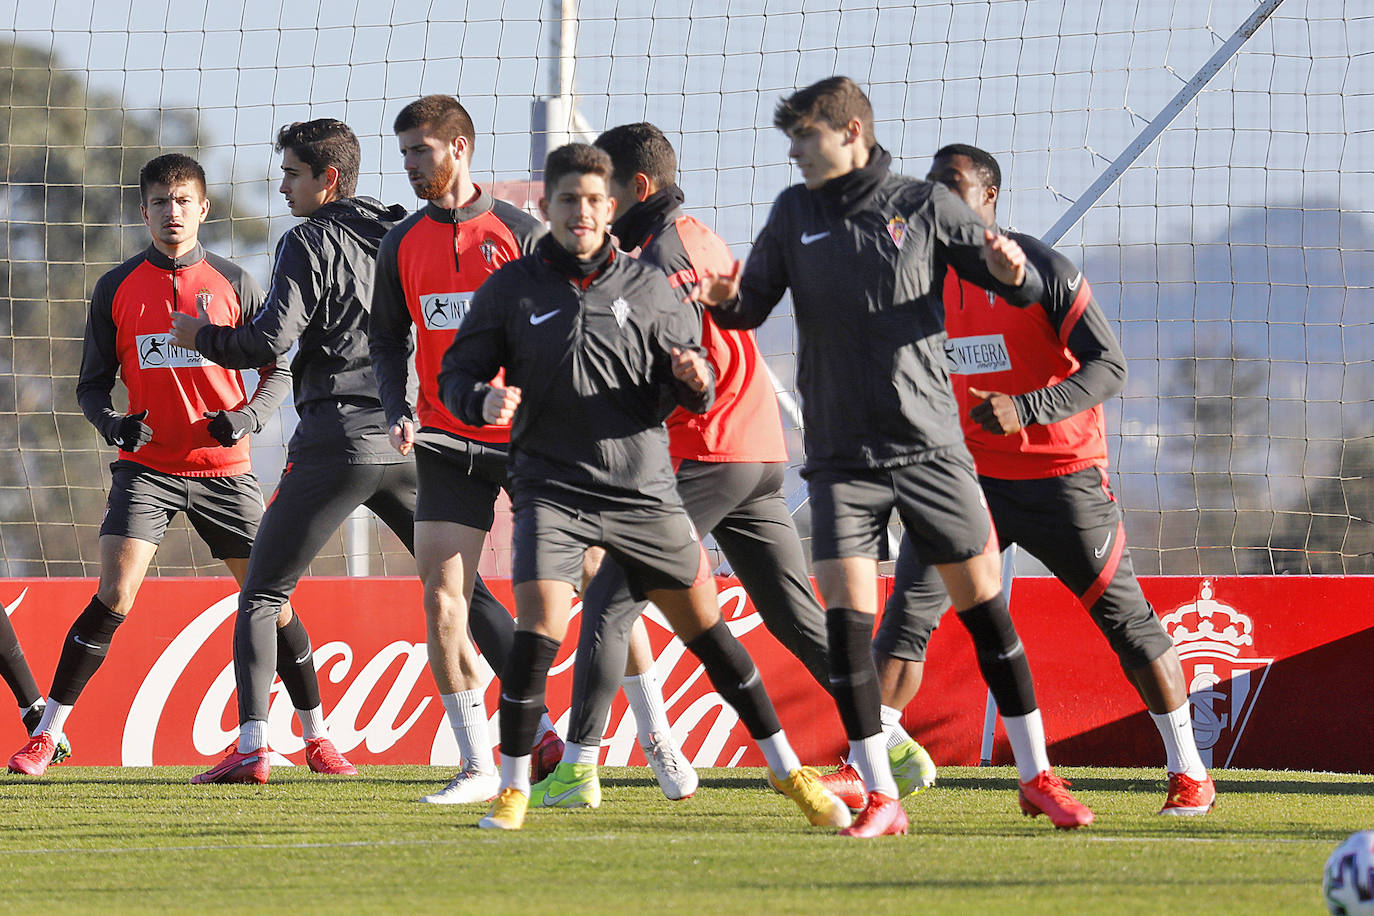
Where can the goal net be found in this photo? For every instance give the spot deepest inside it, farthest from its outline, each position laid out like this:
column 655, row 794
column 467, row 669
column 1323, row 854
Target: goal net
column 1235, row 255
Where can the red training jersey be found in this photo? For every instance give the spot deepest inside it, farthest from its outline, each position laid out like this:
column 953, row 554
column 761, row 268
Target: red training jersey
column 997, row 347
column 744, row 424
column 129, row 328
column 428, row 269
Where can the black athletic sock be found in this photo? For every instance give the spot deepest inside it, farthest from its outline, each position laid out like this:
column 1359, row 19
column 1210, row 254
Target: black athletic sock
column 296, row 664
column 14, row 668
column 1001, row 657
column 83, row 650
column 735, row 678
column 522, row 690
column 853, row 676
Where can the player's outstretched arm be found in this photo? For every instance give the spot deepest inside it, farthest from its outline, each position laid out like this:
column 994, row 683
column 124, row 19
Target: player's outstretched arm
column 271, row 326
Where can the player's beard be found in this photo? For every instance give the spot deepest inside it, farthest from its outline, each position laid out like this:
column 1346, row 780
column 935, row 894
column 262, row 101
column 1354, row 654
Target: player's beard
column 438, row 185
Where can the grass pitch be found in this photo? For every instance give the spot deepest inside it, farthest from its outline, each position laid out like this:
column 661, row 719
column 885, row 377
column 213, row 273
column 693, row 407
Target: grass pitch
column 88, row 839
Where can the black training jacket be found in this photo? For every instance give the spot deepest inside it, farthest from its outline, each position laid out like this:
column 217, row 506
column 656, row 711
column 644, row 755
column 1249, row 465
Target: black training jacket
column 866, row 289
column 594, row 368
column 320, row 296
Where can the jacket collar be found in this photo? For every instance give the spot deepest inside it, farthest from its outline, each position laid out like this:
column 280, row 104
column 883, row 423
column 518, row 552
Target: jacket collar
column 641, row 222
column 479, row 205
column 162, row 262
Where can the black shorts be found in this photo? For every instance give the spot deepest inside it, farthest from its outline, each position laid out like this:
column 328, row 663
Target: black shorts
column 459, row 480
column 657, row 546
column 939, row 502
column 1073, row 525
column 225, row 511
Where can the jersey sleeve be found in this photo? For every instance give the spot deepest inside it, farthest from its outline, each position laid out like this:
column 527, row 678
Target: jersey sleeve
column 271, row 330
column 763, row 280
column 958, row 236
column 99, row 359
column 1084, row 330
column 274, row 377
column 477, row 353
column 677, row 329
column 390, row 332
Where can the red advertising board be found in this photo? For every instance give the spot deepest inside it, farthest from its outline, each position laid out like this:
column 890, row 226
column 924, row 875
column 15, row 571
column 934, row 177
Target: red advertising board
column 1276, row 669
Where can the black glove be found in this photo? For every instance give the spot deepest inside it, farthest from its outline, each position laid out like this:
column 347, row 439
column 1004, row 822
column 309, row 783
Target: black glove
column 130, row 433
column 228, row 426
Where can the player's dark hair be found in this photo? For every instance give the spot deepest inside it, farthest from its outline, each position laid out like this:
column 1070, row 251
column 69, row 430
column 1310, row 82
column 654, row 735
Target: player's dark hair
column 169, row 169
column 636, row 148
column 442, row 116
column 575, row 158
column 989, row 172
column 322, row 143
column 835, row 100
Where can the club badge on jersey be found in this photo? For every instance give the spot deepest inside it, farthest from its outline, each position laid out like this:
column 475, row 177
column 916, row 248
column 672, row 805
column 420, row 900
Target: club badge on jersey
column 445, row 311
column 896, row 228
column 621, row 310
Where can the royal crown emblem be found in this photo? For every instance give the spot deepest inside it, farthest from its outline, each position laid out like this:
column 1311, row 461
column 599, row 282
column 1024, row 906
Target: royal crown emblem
column 1215, row 644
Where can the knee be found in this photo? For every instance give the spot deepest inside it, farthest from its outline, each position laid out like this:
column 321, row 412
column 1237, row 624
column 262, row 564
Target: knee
column 119, row 599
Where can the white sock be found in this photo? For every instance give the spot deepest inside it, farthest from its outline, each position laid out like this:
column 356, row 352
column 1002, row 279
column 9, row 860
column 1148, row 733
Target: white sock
column 312, row 723
column 545, row 726
column 515, row 773
column 581, row 753
column 467, row 716
column 1180, row 747
column 869, row 757
column 252, row 736
column 892, row 726
column 779, row 754
column 646, row 702
column 54, row 719
column 1027, row 736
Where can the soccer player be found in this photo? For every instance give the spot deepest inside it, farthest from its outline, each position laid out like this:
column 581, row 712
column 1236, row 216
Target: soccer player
column 729, row 464
column 428, row 269
column 338, row 457
column 14, row 668
column 182, row 443
column 864, row 252
column 1032, row 417
column 595, row 348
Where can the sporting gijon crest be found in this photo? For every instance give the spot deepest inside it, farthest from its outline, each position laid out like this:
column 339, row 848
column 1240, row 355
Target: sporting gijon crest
column 1216, row 645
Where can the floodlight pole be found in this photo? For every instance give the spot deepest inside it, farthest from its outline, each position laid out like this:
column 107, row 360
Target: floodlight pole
column 555, row 118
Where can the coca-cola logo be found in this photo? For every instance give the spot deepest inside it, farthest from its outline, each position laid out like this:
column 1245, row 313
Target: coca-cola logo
column 379, row 700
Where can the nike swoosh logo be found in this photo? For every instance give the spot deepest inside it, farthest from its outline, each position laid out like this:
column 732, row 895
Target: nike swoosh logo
column 540, row 319
column 809, row 237
column 552, row 800
column 238, row 434
column 1073, row 284
column 1100, row 552
column 81, row 642
column 1010, row 653
column 119, row 441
